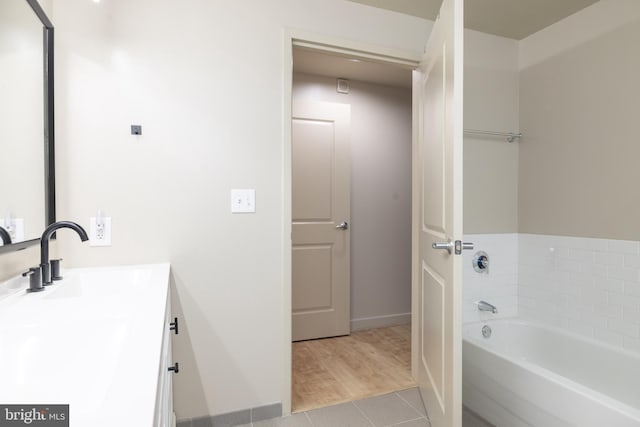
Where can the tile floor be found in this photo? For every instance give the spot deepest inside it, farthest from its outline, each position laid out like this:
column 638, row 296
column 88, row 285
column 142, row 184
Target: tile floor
column 399, row 409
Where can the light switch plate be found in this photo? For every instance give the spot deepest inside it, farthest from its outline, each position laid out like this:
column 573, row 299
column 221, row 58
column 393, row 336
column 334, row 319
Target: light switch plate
column 100, row 236
column 243, row 201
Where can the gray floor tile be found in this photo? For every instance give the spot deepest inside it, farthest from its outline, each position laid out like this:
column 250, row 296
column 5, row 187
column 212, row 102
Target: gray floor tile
column 471, row 419
column 184, row 423
column 297, row 420
column 422, row 422
column 344, row 415
column 387, row 410
column 202, row 422
column 231, row 419
column 413, row 398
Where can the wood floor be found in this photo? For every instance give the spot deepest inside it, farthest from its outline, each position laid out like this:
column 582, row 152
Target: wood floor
column 364, row 364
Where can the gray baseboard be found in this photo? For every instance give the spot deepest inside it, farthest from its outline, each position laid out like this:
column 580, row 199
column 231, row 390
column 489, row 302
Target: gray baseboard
column 236, row 418
column 380, row 321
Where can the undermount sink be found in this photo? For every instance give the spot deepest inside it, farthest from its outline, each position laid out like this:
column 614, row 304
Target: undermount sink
column 91, row 340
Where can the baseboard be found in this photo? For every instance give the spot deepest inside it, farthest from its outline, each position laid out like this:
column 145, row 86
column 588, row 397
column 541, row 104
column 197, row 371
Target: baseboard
column 380, row 321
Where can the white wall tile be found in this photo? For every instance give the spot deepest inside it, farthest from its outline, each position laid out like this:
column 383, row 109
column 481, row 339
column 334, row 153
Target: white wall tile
column 631, row 261
column 624, row 300
column 631, row 315
column 622, row 273
column 589, row 286
column 631, row 288
column 632, row 344
column 500, row 285
column 610, row 258
column 621, row 327
column 608, row 337
column 613, row 285
column 623, row 246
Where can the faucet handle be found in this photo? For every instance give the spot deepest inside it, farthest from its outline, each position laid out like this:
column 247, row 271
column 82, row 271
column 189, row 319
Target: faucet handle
column 55, row 269
column 35, row 279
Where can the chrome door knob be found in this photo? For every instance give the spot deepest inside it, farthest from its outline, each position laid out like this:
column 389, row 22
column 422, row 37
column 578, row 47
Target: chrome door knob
column 344, row 225
column 451, row 245
column 443, row 245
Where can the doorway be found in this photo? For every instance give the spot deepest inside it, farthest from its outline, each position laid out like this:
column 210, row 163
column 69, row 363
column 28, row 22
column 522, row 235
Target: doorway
column 379, row 96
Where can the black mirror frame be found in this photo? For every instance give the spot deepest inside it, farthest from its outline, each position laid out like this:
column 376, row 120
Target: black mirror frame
column 49, row 129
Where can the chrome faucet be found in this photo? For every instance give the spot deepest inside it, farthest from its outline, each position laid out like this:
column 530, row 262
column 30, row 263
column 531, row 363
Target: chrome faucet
column 44, row 245
column 6, row 237
column 485, row 306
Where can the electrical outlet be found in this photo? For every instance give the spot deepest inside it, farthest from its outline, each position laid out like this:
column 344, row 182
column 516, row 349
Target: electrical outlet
column 15, row 228
column 100, row 231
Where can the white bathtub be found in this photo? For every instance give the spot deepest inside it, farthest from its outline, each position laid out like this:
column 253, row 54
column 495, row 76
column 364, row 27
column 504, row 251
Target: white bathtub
column 527, row 374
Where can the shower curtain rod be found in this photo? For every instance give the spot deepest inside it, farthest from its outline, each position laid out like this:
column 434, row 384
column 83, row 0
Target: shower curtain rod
column 511, row 136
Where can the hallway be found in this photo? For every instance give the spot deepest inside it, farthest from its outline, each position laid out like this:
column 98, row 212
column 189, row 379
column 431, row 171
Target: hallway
column 343, row 369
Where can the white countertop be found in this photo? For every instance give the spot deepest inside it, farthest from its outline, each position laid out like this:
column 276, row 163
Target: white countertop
column 92, row 340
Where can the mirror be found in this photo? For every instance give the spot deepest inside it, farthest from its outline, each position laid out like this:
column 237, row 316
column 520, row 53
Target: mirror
column 27, row 203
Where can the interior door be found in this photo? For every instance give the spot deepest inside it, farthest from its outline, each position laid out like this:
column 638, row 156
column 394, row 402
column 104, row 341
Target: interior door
column 438, row 218
column 320, row 220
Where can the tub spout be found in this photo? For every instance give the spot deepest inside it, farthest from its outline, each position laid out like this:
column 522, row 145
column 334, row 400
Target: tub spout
column 485, row 306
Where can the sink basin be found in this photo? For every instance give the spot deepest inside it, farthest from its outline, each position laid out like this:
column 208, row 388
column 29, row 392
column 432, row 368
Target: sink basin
column 92, row 341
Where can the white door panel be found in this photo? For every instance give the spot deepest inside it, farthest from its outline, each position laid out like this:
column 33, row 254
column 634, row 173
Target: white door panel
column 320, row 202
column 438, row 218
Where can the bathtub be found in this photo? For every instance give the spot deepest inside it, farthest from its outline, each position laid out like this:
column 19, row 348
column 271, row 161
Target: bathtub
column 528, row 374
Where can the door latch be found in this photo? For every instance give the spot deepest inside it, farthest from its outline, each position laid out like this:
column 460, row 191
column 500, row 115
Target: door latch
column 456, row 247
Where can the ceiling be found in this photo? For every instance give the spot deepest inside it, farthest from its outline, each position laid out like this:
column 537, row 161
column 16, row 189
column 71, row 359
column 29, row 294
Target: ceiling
column 514, row 19
column 332, row 65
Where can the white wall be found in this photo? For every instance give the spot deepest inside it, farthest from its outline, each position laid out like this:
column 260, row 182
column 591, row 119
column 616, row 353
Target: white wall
column 578, row 111
column 490, row 173
column 380, row 196
column 490, row 163
column 204, row 79
column 578, row 261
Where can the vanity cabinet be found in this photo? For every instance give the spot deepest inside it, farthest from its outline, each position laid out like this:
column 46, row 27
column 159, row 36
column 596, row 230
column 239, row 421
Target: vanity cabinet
column 99, row 341
column 164, row 416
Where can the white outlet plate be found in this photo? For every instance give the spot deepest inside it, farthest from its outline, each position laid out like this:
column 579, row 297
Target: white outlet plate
column 97, row 236
column 243, row 201
column 15, row 229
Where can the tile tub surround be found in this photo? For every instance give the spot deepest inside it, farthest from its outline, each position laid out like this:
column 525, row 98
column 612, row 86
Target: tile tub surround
column 500, row 286
column 589, row 286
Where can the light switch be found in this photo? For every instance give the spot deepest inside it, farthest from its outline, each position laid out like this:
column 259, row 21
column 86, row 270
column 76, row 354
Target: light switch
column 243, row 201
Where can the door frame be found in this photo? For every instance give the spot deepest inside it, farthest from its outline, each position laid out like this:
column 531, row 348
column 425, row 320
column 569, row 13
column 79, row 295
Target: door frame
column 356, row 49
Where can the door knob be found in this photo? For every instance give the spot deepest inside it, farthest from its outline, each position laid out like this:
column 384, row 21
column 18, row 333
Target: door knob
column 450, row 245
column 443, row 245
column 344, row 225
